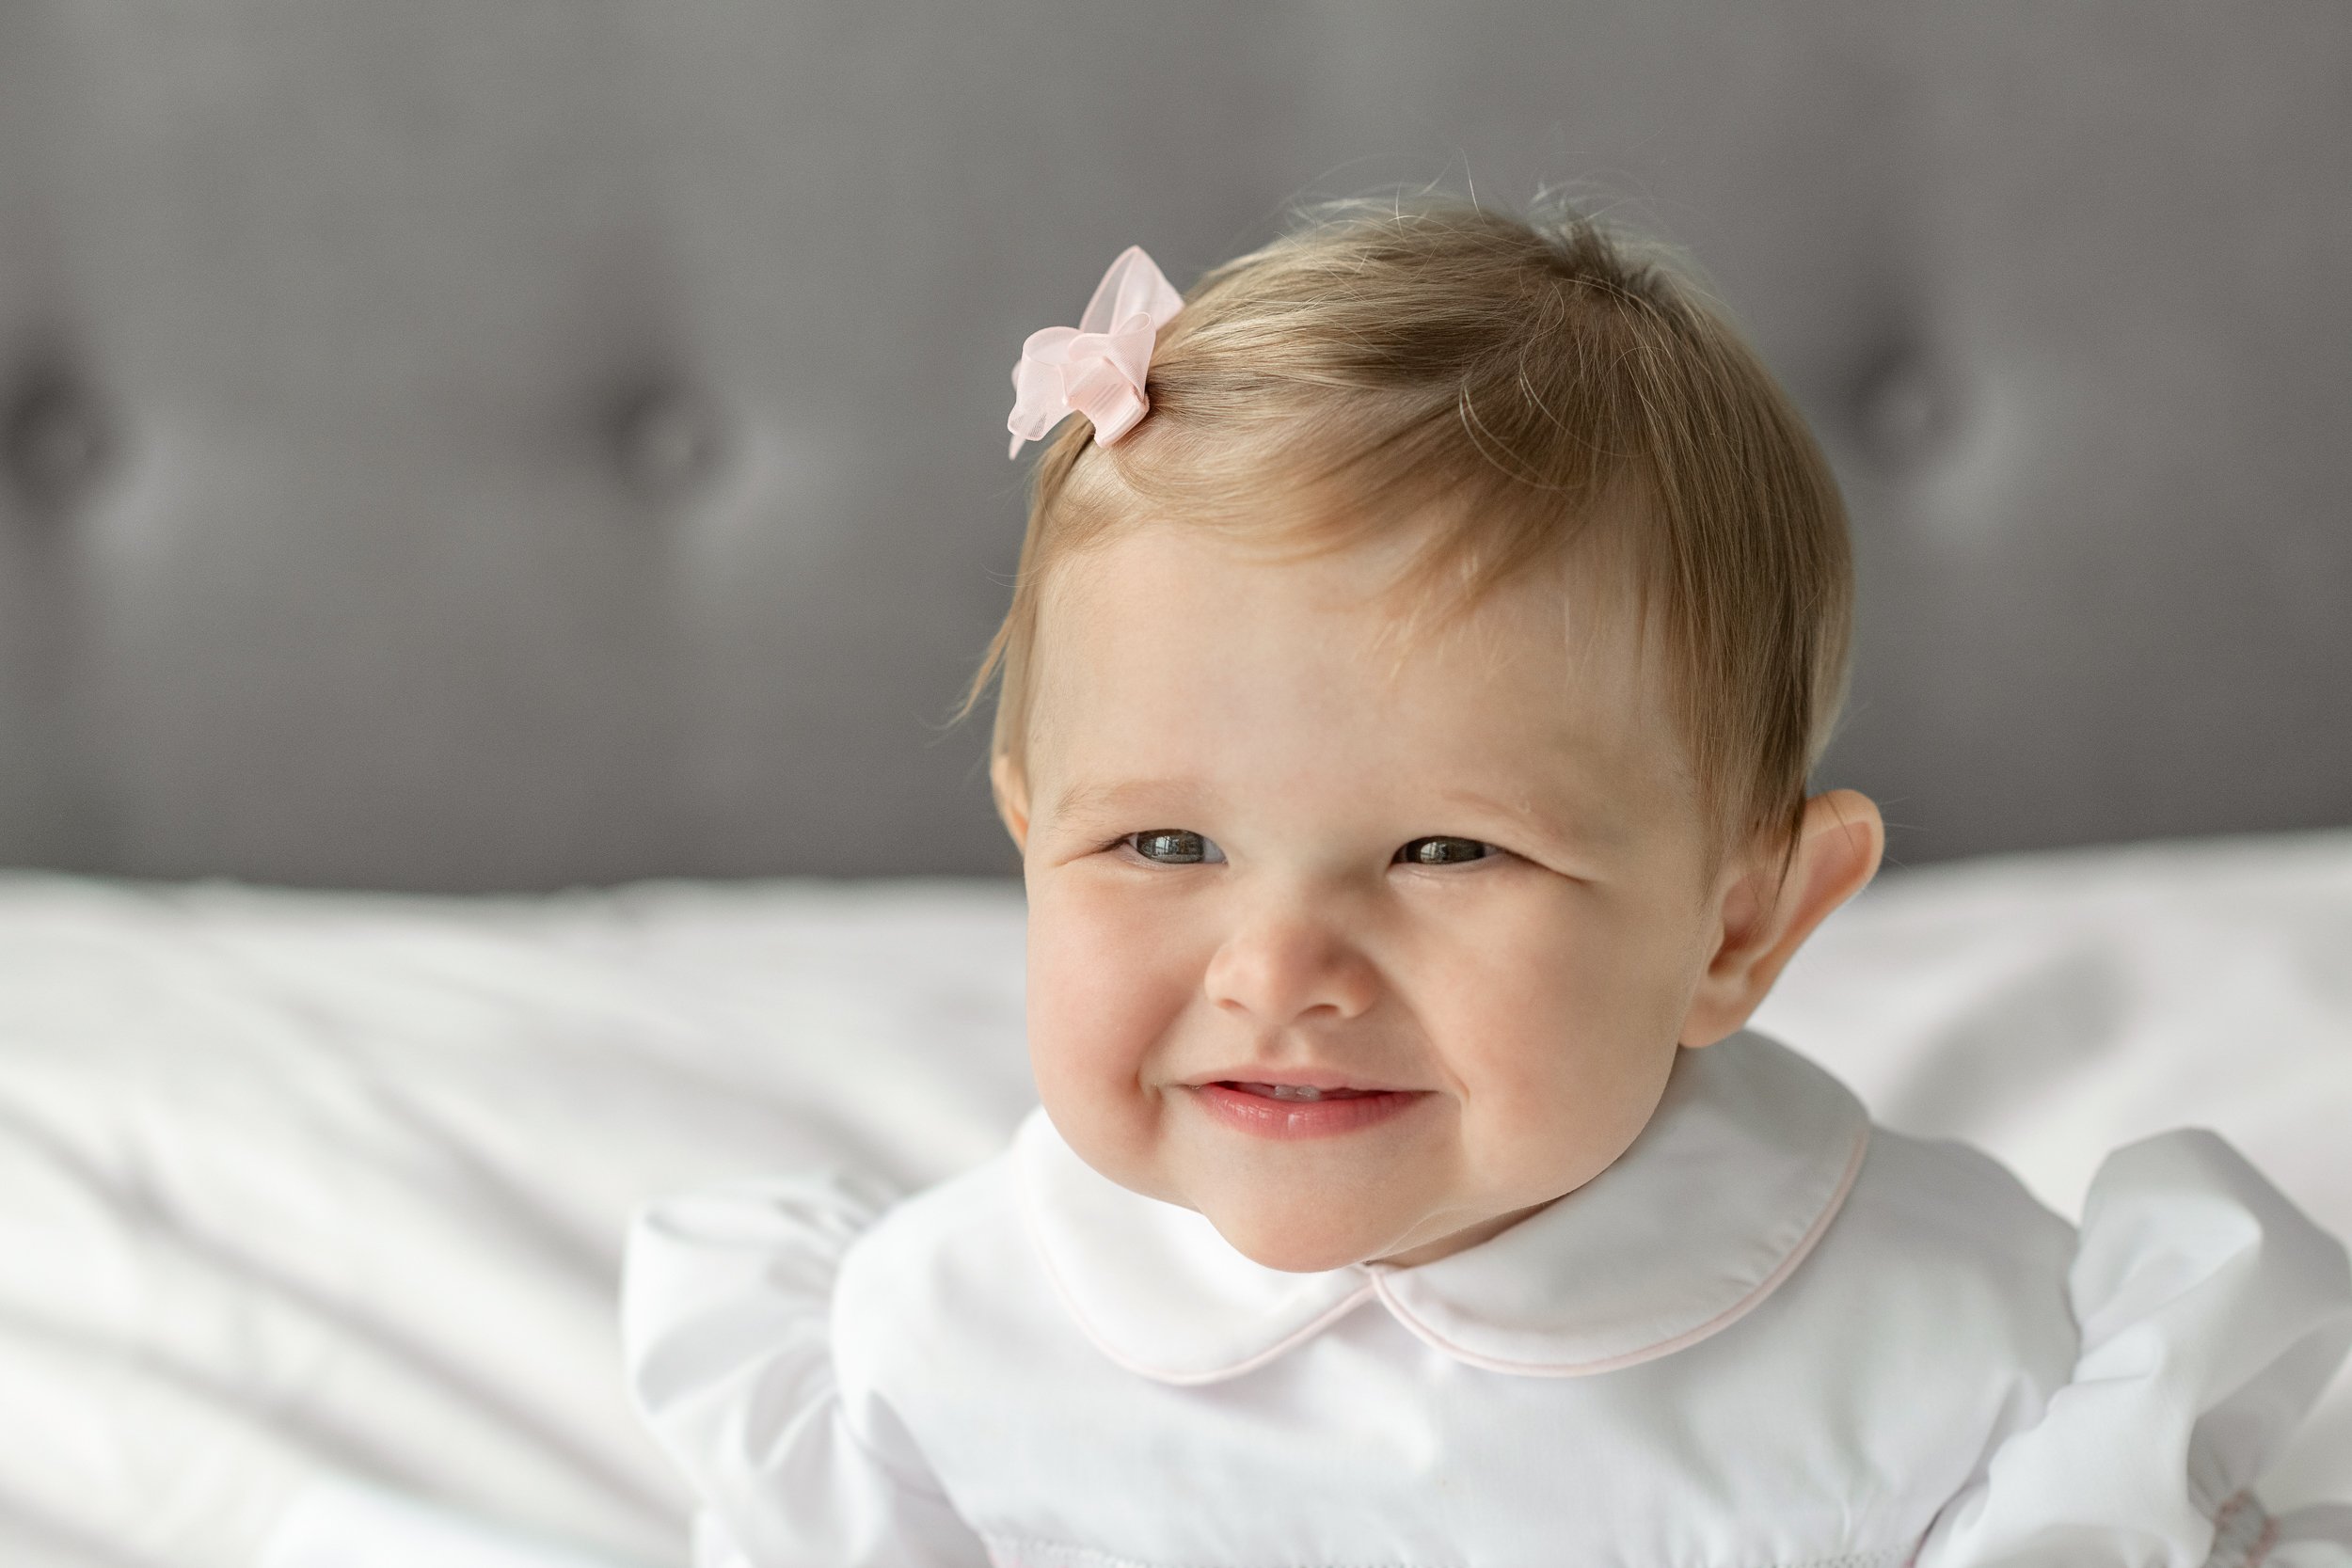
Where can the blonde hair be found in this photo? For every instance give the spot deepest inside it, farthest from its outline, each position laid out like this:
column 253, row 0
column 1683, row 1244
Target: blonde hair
column 1504, row 379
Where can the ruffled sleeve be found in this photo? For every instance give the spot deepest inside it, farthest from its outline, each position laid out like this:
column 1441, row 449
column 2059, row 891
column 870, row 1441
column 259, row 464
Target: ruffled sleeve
column 727, row 1307
column 2212, row 1314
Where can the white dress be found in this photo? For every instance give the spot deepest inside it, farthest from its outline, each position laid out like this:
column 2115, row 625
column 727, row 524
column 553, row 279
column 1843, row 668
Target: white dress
column 1770, row 1336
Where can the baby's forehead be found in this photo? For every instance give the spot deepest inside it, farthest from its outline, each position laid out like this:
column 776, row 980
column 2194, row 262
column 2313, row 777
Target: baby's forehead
column 1166, row 638
column 1378, row 603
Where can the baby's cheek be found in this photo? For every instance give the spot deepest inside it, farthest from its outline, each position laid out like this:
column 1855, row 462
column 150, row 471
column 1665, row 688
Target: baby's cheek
column 1564, row 1043
column 1104, row 988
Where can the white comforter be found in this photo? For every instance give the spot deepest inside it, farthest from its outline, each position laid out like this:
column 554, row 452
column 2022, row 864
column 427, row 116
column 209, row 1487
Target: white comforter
column 310, row 1205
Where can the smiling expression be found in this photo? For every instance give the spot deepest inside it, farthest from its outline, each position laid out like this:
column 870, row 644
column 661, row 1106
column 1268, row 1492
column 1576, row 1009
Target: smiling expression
column 1364, row 950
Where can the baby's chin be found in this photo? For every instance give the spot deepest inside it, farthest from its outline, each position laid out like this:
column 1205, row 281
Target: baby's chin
column 1297, row 1240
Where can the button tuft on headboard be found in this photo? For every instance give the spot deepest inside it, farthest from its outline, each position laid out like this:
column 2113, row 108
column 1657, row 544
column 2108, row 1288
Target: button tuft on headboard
column 666, row 440
column 1905, row 407
column 53, row 439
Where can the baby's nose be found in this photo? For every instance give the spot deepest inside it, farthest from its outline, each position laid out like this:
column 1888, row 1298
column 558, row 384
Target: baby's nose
column 1285, row 963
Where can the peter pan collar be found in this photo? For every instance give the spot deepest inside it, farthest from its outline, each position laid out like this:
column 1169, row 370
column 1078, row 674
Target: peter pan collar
column 1751, row 1153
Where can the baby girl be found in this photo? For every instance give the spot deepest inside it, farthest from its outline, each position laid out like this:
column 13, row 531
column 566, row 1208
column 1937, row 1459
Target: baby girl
column 1421, row 644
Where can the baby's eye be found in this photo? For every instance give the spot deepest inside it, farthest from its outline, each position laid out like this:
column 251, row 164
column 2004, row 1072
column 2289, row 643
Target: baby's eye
column 1174, row 847
column 1442, row 851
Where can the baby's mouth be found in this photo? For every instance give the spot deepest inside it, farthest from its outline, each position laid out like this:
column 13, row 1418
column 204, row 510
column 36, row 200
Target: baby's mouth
column 1290, row 1111
column 1295, row 1091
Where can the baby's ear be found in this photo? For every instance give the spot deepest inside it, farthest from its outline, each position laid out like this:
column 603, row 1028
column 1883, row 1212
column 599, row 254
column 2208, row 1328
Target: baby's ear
column 1764, row 920
column 1012, row 789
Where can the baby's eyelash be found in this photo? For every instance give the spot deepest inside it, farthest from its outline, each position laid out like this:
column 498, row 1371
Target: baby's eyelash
column 1444, row 849
column 1174, row 846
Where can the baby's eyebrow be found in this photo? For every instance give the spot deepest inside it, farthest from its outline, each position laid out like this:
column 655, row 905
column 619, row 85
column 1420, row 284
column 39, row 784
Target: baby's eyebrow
column 1131, row 795
column 1526, row 810
column 1566, row 821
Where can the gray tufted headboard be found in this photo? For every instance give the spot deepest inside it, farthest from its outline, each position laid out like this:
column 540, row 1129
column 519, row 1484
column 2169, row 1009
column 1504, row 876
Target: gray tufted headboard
column 457, row 445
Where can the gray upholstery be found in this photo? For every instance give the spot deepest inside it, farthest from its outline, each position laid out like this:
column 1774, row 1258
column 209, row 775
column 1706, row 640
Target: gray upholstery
column 504, row 443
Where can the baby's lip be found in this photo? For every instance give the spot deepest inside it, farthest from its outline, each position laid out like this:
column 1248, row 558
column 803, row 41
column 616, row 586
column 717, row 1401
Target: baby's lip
column 1291, row 1077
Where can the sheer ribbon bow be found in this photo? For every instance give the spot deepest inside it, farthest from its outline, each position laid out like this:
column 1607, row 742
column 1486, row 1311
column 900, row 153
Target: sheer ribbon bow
column 1096, row 368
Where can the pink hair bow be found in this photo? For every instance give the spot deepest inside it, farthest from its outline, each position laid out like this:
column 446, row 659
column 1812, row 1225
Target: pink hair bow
column 1097, row 367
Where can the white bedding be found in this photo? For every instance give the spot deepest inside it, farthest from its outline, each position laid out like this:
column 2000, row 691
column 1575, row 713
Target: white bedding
column 310, row 1204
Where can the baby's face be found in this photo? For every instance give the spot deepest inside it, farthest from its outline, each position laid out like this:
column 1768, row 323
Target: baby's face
column 1265, row 856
